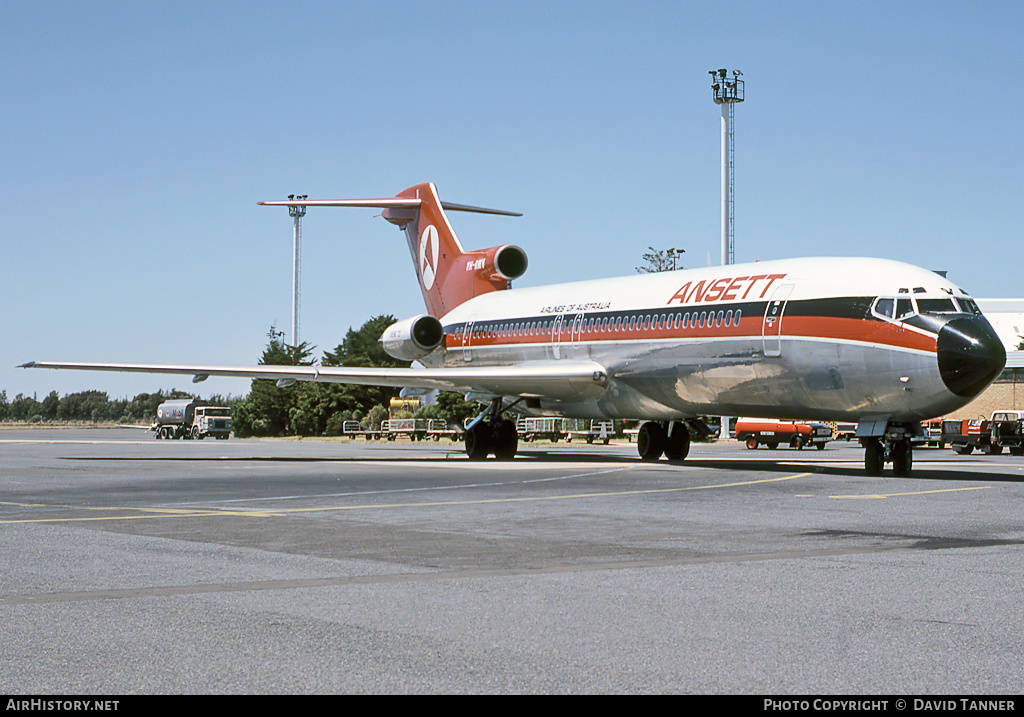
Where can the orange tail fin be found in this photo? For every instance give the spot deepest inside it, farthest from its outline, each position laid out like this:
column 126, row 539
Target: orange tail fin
column 448, row 274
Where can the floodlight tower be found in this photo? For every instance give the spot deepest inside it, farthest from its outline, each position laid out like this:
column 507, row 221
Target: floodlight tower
column 297, row 213
column 727, row 92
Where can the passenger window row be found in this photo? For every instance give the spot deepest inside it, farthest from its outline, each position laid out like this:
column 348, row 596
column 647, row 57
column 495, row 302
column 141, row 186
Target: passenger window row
column 594, row 326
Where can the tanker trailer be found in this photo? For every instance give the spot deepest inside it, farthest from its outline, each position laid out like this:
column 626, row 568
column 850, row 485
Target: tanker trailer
column 189, row 418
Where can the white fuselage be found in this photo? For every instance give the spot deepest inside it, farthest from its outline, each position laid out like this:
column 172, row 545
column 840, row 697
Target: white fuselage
column 801, row 338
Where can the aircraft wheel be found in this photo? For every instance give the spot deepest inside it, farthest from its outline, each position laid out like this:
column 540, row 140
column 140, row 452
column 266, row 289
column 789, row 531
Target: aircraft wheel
column 478, row 441
column 505, row 440
column 751, row 443
column 902, row 458
column 874, row 457
column 650, row 441
column 677, row 446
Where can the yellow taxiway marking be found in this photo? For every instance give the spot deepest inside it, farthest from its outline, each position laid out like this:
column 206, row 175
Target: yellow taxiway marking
column 205, row 512
column 144, row 513
column 570, row 496
column 150, row 513
column 880, row 496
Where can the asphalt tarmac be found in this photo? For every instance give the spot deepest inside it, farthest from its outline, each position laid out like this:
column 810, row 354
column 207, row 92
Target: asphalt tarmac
column 135, row 566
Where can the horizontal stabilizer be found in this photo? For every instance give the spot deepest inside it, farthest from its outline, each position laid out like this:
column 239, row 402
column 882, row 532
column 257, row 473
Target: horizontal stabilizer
column 388, row 203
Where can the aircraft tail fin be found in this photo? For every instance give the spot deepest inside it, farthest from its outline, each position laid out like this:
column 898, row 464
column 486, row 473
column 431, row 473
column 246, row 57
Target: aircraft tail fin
column 448, row 274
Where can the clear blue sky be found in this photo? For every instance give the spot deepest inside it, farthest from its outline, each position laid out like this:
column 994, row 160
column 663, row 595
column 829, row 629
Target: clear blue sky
column 138, row 137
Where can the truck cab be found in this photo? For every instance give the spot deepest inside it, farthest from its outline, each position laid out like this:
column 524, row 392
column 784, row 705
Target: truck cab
column 1007, row 429
column 211, row 421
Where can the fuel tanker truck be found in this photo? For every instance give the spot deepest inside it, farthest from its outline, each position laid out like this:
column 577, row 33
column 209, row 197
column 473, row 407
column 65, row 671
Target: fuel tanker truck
column 188, row 418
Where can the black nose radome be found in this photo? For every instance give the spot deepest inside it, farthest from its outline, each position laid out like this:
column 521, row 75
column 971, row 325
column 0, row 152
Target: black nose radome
column 970, row 355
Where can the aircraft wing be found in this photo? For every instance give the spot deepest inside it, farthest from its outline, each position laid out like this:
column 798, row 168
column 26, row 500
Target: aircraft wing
column 557, row 380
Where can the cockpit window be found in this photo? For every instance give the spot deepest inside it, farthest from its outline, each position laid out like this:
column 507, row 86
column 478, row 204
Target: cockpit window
column 936, row 306
column 968, row 305
column 884, row 307
column 899, row 308
column 904, row 308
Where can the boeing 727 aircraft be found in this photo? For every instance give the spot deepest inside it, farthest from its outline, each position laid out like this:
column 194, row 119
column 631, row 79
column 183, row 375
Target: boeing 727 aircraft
column 879, row 342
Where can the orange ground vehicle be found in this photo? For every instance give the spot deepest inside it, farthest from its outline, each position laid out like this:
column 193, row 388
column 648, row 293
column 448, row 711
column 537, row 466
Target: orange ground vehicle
column 772, row 433
column 1004, row 430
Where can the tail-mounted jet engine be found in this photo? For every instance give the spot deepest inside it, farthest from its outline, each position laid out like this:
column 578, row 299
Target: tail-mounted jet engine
column 413, row 338
column 508, row 261
column 496, row 266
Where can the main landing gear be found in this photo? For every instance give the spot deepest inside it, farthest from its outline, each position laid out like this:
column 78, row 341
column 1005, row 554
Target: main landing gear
column 490, row 433
column 889, row 443
column 671, row 439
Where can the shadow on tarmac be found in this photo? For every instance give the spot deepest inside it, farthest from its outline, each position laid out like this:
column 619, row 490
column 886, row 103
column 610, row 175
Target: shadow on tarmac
column 812, row 463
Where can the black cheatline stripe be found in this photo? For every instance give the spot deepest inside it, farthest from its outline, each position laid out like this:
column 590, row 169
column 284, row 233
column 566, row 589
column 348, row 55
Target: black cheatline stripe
column 857, row 307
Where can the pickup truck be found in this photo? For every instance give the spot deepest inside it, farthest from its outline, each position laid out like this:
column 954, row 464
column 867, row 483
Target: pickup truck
column 1005, row 429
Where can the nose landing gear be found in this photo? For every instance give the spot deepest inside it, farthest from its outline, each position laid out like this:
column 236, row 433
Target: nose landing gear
column 888, row 442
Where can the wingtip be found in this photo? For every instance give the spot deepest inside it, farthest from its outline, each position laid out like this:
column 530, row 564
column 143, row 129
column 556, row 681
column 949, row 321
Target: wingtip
column 30, row 364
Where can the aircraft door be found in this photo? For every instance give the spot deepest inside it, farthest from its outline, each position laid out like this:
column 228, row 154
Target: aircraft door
column 557, row 326
column 771, row 332
column 577, row 329
column 467, row 341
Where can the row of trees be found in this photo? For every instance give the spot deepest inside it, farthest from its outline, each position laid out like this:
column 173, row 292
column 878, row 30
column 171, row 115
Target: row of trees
column 94, row 406
column 315, row 409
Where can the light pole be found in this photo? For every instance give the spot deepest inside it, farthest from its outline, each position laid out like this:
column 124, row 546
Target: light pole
column 727, row 92
column 297, row 213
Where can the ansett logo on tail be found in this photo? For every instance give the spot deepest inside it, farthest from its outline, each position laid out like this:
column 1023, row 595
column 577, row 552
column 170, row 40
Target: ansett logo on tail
column 428, row 256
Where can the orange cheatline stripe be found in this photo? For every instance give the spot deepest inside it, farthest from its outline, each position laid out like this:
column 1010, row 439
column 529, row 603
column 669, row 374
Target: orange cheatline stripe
column 829, row 328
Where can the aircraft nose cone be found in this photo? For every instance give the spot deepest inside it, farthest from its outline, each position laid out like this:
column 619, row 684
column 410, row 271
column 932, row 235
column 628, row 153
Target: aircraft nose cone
column 970, row 355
